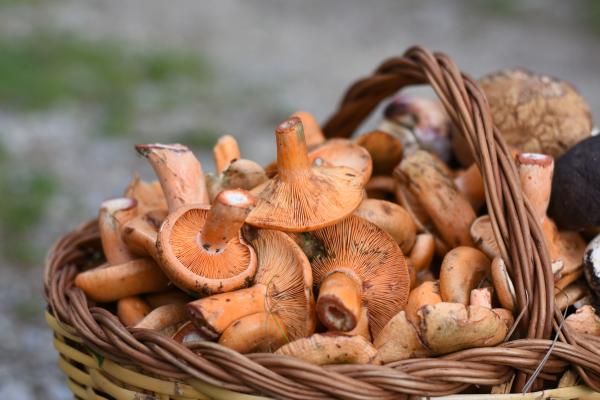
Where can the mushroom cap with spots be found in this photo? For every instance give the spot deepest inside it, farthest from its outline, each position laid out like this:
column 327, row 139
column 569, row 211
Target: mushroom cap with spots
column 366, row 252
column 302, row 197
column 343, row 153
column 536, row 113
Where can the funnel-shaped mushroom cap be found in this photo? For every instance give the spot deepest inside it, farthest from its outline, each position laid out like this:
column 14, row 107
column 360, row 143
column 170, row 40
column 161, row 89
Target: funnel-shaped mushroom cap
column 364, row 251
column 284, row 269
column 343, row 153
column 202, row 250
column 303, row 198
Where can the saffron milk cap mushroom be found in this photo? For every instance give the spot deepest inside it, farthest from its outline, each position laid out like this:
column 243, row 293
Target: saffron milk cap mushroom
column 202, row 249
column 323, row 349
column 361, row 264
column 312, row 130
column 385, row 149
column 303, row 197
column 343, row 153
column 149, row 195
column 584, row 320
column 399, row 340
column 261, row 332
column 462, row 270
column 426, row 293
column 282, row 286
column 240, row 174
column 225, row 151
column 113, row 214
column 504, row 288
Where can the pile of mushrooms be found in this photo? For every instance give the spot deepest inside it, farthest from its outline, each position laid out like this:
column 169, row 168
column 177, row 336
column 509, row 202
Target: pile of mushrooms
column 367, row 250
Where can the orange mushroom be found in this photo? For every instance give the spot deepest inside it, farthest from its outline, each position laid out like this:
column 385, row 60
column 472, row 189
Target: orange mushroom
column 312, row 130
column 570, row 295
column 261, row 332
column 282, row 287
column 149, row 196
column 399, row 340
column 385, row 150
column 240, row 174
column 469, row 182
column 225, row 152
column 323, row 349
column 427, row 293
column 361, row 265
column 171, row 296
column 202, row 250
column 179, row 172
column 429, row 180
column 462, row 270
column 343, row 153
column 140, row 233
column 505, row 289
column 483, row 236
column 165, row 319
column 584, row 320
column 392, row 218
column 303, row 198
column 114, row 213
column 381, row 187
column 422, row 251
column 132, row 310
column 189, row 333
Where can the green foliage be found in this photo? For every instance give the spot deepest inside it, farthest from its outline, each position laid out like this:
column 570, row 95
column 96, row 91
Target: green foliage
column 201, row 138
column 44, row 69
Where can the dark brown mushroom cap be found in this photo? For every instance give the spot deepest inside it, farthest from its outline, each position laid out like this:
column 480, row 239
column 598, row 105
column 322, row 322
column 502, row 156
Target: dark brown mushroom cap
column 284, row 269
column 343, row 153
column 303, row 197
column 537, row 113
column 374, row 257
column 194, row 269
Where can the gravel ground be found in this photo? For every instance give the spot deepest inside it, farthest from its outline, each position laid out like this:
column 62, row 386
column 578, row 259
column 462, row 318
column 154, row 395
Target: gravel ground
column 270, row 58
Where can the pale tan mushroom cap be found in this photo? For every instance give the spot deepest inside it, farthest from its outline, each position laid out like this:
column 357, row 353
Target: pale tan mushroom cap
column 318, row 198
column 359, row 246
column 343, row 153
column 537, row 113
column 284, row 269
column 191, row 268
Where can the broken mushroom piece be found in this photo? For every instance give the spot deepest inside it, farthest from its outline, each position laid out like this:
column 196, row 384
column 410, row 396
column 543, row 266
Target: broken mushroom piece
column 202, row 249
column 399, row 340
column 584, row 320
column 240, row 174
column 591, row 265
column 426, row 293
column 225, row 152
column 179, row 172
column 255, row 333
column 149, row 195
column 392, row 218
column 282, row 287
column 574, row 202
column 303, row 198
column 463, row 269
column 132, row 309
column 535, row 172
column 165, row 319
column 536, row 113
column 429, row 180
column 324, row 349
column 504, row 288
column 361, row 264
column 343, row 153
column 385, row 150
column 449, row 327
column 141, row 232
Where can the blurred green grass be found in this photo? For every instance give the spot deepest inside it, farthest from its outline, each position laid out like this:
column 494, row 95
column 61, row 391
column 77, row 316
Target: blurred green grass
column 46, row 69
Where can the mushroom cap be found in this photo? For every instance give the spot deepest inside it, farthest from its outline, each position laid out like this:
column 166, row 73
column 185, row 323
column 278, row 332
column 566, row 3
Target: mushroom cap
column 483, row 236
column 585, row 320
column 536, row 113
column 323, row 349
column 385, row 149
column 361, row 247
column 284, row 269
column 503, row 285
column 195, row 270
column 303, row 198
column 149, row 195
column 343, row 153
column 312, row 130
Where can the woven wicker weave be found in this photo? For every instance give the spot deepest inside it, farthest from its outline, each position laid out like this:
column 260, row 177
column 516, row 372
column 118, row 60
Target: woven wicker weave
column 104, row 360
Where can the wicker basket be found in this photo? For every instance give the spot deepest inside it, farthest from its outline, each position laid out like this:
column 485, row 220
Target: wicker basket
column 105, row 360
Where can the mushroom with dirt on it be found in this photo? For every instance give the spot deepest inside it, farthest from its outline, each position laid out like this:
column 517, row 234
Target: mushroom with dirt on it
column 463, row 269
column 343, row 153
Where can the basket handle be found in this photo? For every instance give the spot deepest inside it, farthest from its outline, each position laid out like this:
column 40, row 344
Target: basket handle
column 516, row 230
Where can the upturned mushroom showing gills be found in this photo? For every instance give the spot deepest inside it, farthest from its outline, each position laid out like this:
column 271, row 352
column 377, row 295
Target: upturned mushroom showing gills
column 343, row 153
column 575, row 199
column 202, row 249
column 282, row 289
column 179, row 172
column 360, row 264
column 303, row 197
column 536, row 113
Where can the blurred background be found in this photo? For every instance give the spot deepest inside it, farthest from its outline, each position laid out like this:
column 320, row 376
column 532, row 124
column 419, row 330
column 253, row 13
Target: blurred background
column 82, row 81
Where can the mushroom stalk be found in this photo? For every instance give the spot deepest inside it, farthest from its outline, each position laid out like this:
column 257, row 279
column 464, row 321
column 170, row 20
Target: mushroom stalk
column 163, row 317
column 225, row 219
column 339, row 301
column 292, row 153
column 114, row 213
column 323, row 349
column 535, row 171
column 260, row 332
column 141, row 232
column 217, row 312
column 179, row 172
column 132, row 310
column 225, row 152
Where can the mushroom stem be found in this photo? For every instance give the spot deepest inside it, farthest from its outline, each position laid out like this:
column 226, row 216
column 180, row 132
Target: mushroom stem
column 225, row 152
column 312, row 130
column 256, row 333
column 292, row 153
column 322, row 349
column 179, row 172
column 217, row 312
column 570, row 295
column 535, row 171
column 339, row 301
column 132, row 310
column 140, row 233
column 115, row 282
column 422, row 251
column 171, row 296
column 225, row 219
column 114, row 213
column 163, row 317
column 462, row 270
